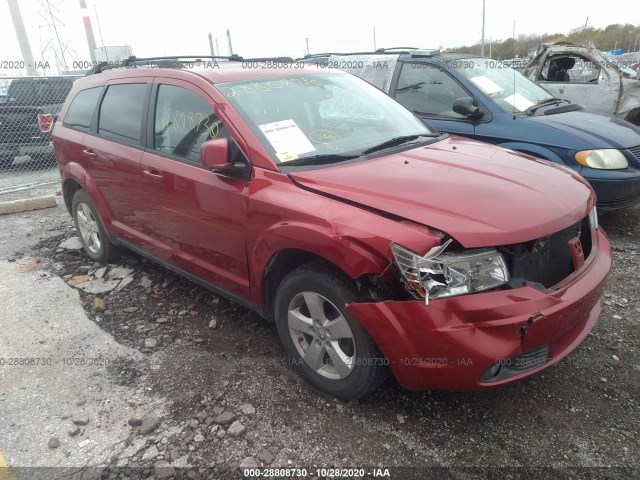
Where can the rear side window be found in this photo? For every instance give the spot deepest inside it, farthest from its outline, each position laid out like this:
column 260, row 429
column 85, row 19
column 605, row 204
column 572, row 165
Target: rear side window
column 82, row 107
column 121, row 112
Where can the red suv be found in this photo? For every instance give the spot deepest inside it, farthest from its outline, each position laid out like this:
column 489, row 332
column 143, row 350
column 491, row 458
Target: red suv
column 375, row 243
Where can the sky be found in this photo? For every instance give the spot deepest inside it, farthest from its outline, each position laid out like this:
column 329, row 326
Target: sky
column 279, row 27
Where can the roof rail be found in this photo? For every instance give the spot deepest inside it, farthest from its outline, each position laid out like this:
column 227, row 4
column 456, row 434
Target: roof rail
column 391, row 50
column 178, row 61
column 413, row 51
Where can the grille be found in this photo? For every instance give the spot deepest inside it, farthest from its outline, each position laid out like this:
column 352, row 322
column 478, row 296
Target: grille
column 635, row 151
column 547, row 261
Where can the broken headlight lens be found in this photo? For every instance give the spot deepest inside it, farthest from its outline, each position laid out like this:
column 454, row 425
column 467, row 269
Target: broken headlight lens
column 438, row 274
column 606, row 159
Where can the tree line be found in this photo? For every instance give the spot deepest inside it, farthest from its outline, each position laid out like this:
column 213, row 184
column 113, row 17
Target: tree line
column 617, row 36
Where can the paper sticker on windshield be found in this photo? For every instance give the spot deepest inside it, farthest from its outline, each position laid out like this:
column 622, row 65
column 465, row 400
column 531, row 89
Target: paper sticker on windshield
column 519, row 102
column 487, row 85
column 287, row 139
column 286, row 157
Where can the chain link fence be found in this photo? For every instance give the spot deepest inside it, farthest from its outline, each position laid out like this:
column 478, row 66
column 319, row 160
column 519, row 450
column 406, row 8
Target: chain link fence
column 29, row 107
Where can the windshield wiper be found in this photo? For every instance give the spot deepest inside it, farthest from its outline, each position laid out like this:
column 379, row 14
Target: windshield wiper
column 543, row 103
column 320, row 159
column 397, row 141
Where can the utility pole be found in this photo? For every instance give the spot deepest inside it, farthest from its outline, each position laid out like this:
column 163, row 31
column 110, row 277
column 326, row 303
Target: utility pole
column 217, row 47
column 482, row 45
column 23, row 40
column 104, row 50
column 306, row 39
column 585, row 29
column 88, row 29
column 229, row 41
column 374, row 39
column 213, row 52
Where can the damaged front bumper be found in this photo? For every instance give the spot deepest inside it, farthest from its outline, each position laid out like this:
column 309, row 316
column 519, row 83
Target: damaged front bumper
column 487, row 339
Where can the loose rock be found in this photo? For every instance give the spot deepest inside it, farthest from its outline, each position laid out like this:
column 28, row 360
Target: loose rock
column 151, row 453
column 236, row 429
column 247, row 409
column 225, row 418
column 72, row 243
column 265, row 456
column 81, row 419
column 249, row 462
column 99, row 305
column 149, row 424
column 163, row 470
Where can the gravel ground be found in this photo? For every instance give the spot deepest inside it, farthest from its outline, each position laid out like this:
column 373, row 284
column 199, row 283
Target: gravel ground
column 234, row 401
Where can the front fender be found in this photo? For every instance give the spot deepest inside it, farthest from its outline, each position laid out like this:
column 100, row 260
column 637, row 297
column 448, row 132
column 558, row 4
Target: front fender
column 75, row 171
column 341, row 246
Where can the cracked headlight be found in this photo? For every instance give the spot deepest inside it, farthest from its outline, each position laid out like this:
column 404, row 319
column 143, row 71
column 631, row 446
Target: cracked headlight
column 438, row 274
column 608, row 159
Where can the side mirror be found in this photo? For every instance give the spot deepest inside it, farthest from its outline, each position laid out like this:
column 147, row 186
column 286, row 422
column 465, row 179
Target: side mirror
column 214, row 156
column 467, row 106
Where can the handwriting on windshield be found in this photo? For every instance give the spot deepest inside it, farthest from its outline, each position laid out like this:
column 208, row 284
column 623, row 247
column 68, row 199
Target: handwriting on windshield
column 323, row 136
column 263, row 87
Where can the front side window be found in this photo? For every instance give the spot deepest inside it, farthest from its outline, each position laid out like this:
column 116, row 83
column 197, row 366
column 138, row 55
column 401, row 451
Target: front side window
column 321, row 116
column 82, row 107
column 570, row 69
column 121, row 112
column 428, row 90
column 183, row 122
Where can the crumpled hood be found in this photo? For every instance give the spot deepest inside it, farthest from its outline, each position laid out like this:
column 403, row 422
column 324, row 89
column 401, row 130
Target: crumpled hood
column 598, row 130
column 479, row 194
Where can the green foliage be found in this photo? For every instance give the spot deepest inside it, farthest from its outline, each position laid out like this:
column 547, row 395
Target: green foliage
column 613, row 36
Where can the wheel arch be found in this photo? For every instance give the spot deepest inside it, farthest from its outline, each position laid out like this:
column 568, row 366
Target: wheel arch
column 282, row 252
column 76, row 178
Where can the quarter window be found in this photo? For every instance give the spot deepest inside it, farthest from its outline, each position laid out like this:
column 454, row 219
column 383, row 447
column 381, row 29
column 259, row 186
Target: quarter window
column 121, row 112
column 82, row 107
column 428, row 90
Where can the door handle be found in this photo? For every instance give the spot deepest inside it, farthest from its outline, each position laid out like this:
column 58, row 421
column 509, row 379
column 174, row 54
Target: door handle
column 89, row 153
column 152, row 175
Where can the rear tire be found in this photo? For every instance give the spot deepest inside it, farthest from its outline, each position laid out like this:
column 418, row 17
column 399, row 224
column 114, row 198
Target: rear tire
column 328, row 347
column 95, row 241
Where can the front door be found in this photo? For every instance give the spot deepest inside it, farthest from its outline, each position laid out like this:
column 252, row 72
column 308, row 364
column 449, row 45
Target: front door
column 189, row 216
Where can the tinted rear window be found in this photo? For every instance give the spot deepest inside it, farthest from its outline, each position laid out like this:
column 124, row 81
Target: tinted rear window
column 39, row 92
column 81, row 109
column 121, row 112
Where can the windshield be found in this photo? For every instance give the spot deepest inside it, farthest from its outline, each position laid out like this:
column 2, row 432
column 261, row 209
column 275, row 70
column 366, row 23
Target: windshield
column 608, row 59
column 321, row 115
column 504, row 86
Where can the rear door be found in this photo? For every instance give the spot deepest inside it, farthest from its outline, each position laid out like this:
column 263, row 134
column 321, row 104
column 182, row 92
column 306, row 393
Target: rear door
column 112, row 152
column 192, row 218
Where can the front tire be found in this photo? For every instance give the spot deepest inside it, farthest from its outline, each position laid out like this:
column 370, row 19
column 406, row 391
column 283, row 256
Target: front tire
column 94, row 238
column 328, row 347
